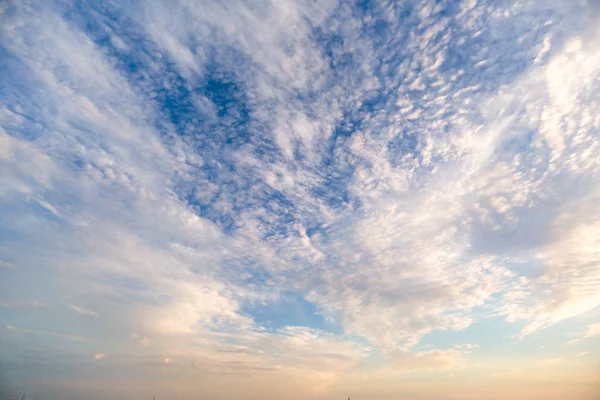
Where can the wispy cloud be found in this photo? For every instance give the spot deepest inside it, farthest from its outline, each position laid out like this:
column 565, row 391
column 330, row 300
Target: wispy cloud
column 11, row 303
column 46, row 333
column 49, row 207
column 84, row 311
column 592, row 330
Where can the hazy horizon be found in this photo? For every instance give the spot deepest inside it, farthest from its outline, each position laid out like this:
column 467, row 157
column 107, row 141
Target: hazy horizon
column 300, row 199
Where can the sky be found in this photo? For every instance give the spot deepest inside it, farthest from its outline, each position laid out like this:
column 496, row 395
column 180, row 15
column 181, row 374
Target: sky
column 300, row 199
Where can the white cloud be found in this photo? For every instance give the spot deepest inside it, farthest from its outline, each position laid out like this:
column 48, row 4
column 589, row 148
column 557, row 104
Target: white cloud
column 546, row 46
column 454, row 195
column 99, row 356
column 84, row 311
column 47, row 333
column 50, row 208
column 468, row 346
column 145, row 341
column 591, row 331
column 24, row 167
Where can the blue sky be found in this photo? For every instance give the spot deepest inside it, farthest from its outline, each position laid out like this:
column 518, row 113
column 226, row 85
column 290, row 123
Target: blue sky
column 299, row 198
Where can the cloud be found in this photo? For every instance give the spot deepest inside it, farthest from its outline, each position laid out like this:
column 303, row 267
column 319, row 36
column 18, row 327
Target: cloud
column 468, row 346
column 591, row 331
column 99, row 356
column 5, row 264
column 402, row 171
column 84, row 311
column 47, row 333
column 11, row 303
column 145, row 341
column 50, row 208
column 428, row 360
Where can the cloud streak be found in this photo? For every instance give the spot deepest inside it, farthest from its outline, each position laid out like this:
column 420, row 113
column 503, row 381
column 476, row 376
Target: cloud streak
column 84, row 311
column 591, row 331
